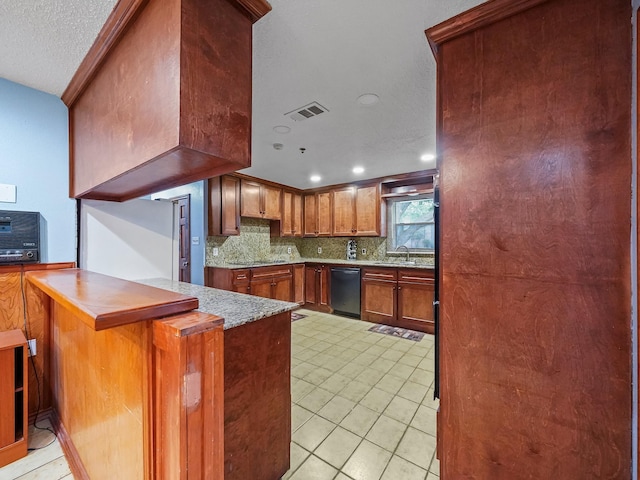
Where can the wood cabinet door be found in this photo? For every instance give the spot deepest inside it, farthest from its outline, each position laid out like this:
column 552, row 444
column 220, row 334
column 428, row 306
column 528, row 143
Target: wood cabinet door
column 310, row 216
column 230, row 208
column 261, row 287
column 298, row 283
column 310, row 284
column 325, row 214
column 343, row 212
column 367, row 211
column 296, row 215
column 323, row 281
column 286, row 222
column 250, row 205
column 415, row 306
column 378, row 301
column 271, row 201
column 282, row 288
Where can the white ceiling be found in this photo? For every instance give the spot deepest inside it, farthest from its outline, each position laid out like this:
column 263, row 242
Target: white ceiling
column 304, row 50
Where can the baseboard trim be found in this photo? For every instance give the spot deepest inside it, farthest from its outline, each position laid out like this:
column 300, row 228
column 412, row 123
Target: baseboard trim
column 73, row 457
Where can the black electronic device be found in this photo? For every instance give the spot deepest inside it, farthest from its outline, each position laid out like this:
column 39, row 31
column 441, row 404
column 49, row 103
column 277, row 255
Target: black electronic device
column 20, row 237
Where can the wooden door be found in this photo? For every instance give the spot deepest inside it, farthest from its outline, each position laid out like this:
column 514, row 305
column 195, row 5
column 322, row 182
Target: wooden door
column 261, row 287
column 311, row 278
column 184, row 248
column 230, row 221
column 535, row 295
column 250, row 205
column 298, row 283
column 343, row 212
column 286, row 222
column 367, row 211
column 325, row 214
column 296, row 215
column 323, row 282
column 415, row 306
column 282, row 288
column 310, row 216
column 271, row 202
column 379, row 295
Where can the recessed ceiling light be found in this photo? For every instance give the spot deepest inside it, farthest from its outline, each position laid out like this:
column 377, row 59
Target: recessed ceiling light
column 358, row 169
column 427, row 157
column 281, row 129
column 315, row 178
column 368, row 99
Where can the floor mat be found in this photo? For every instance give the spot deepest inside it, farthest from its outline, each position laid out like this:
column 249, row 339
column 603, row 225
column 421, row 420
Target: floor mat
column 397, row 332
column 297, row 316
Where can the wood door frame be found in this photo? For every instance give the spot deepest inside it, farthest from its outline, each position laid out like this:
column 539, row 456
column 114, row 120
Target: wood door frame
column 184, row 242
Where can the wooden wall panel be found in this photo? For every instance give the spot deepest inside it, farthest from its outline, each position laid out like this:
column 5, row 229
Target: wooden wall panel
column 257, row 392
column 534, row 154
column 101, row 391
column 11, row 317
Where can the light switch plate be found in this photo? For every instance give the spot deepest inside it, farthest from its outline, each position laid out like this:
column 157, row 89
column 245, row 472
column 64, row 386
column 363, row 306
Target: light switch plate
column 215, row 251
column 195, row 240
column 32, row 347
column 7, row 193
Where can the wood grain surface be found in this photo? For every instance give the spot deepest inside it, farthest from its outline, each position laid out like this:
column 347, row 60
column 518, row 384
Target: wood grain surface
column 534, row 153
column 101, row 393
column 102, row 302
column 257, row 399
column 12, row 317
column 169, row 103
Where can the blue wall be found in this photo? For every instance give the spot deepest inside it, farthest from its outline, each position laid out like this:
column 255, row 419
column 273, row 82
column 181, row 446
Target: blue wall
column 34, row 156
column 196, row 191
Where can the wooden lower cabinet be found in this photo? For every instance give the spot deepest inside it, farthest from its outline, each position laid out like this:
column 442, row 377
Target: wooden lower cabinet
column 13, row 396
column 316, row 287
column 398, row 297
column 270, row 282
column 298, row 283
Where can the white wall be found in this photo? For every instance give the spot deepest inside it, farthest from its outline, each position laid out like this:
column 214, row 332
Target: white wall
column 197, row 221
column 34, row 156
column 131, row 240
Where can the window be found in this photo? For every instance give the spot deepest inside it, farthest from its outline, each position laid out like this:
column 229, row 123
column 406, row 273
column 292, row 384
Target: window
column 411, row 223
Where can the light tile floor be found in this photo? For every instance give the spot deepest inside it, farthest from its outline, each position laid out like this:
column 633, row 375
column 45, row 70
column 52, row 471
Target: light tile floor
column 46, row 462
column 362, row 408
column 363, row 405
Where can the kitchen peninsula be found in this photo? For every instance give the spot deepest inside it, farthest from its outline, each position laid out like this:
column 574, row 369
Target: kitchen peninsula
column 146, row 385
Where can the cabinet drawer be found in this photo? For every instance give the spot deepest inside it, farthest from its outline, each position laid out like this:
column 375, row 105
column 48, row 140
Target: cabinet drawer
column 264, row 272
column 390, row 274
column 416, row 275
column 240, row 276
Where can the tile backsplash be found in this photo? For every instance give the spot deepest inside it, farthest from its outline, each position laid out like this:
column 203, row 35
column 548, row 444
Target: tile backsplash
column 255, row 244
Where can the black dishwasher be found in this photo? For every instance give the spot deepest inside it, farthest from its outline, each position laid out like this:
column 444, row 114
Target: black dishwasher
column 345, row 291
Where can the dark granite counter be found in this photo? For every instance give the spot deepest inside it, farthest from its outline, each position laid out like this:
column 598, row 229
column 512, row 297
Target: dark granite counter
column 236, row 308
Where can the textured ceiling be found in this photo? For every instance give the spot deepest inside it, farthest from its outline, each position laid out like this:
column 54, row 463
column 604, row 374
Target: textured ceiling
column 329, row 51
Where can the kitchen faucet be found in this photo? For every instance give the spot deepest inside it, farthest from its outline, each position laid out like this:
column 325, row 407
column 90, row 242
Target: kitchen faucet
column 406, row 248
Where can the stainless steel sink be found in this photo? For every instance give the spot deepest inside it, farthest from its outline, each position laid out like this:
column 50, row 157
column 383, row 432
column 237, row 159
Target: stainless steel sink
column 395, row 264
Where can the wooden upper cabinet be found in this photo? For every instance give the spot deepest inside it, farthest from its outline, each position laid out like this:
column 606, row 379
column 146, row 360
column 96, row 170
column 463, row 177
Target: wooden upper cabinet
column 260, row 201
column 310, row 216
column 357, row 211
column 368, row 205
column 318, row 214
column 325, row 214
column 344, row 212
column 291, row 220
column 224, row 205
column 151, row 107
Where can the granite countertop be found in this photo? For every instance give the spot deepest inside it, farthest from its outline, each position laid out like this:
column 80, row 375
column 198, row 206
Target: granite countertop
column 236, row 308
column 331, row 261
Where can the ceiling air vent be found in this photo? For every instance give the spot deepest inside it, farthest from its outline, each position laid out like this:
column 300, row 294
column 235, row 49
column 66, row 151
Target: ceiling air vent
column 311, row 110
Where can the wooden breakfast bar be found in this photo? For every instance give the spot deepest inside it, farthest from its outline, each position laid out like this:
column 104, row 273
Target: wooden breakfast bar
column 146, row 384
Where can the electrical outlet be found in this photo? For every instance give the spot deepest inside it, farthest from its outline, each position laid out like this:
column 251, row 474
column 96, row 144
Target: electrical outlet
column 364, row 251
column 32, row 347
column 215, row 251
column 319, row 249
column 289, row 250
